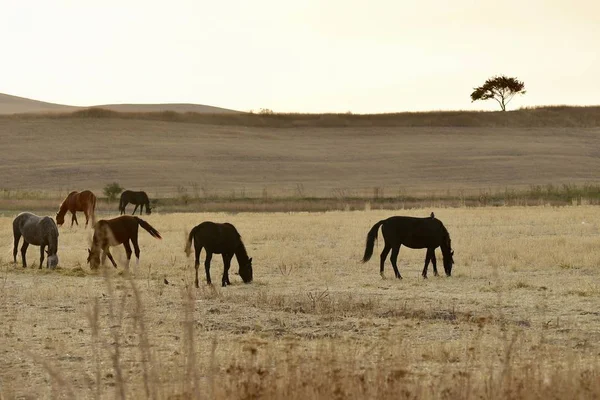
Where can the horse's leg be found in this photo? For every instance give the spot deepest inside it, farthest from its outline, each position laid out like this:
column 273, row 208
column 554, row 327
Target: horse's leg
column 382, row 257
column 207, row 266
column 74, row 218
column 17, row 236
column 427, row 258
column 394, row 259
column 24, row 252
column 226, row 264
column 42, row 247
column 434, row 262
column 127, row 252
column 136, row 248
column 198, row 249
column 141, row 209
column 87, row 217
column 136, row 206
column 110, row 257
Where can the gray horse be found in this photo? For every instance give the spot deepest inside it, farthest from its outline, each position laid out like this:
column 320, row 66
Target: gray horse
column 39, row 231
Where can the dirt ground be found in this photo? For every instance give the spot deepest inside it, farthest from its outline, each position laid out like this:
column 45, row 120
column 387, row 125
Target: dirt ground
column 519, row 316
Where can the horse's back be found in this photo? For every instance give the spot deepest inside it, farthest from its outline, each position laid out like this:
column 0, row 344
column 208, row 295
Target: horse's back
column 413, row 232
column 218, row 237
column 133, row 196
column 26, row 218
column 121, row 228
column 35, row 229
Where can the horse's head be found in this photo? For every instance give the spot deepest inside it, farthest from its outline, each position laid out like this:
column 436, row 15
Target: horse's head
column 148, row 210
column 449, row 262
column 246, row 271
column 52, row 260
column 93, row 259
column 60, row 219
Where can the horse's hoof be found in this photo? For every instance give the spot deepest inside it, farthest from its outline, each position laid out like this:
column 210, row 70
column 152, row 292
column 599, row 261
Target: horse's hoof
column 424, row 276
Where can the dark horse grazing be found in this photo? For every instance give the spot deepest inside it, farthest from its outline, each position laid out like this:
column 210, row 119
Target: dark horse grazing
column 416, row 233
column 39, row 231
column 137, row 198
column 77, row 201
column 112, row 232
column 219, row 239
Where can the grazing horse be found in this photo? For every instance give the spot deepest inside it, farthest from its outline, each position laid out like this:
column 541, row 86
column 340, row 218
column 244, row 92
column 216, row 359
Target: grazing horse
column 415, row 233
column 219, row 239
column 137, row 198
column 38, row 231
column 116, row 231
column 77, row 201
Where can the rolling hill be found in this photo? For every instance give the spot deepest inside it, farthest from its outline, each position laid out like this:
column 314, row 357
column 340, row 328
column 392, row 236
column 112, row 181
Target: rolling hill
column 21, row 105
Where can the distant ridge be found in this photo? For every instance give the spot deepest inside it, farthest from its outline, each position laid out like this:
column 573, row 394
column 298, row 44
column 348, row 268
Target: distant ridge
column 180, row 108
column 20, row 105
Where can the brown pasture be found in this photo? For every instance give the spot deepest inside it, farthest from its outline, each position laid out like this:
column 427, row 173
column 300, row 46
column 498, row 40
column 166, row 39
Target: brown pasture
column 519, row 317
column 166, row 158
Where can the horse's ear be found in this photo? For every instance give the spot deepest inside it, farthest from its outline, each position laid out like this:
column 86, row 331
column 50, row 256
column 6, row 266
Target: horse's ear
column 89, row 251
column 250, row 260
column 452, row 253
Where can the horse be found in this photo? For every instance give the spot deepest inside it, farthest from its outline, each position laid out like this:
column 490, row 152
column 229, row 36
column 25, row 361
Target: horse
column 116, row 231
column 415, row 233
column 38, row 231
column 77, row 201
column 221, row 239
column 137, row 198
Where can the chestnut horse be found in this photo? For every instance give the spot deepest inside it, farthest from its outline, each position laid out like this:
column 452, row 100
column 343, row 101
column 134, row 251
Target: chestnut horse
column 116, row 231
column 77, row 201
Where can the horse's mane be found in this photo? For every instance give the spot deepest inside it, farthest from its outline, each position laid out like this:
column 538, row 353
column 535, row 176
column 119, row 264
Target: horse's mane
column 63, row 205
column 446, row 236
column 240, row 250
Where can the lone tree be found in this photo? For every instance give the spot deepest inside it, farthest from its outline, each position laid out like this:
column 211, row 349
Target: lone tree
column 500, row 88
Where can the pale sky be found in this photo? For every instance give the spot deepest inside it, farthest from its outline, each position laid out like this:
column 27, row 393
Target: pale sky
column 300, row 56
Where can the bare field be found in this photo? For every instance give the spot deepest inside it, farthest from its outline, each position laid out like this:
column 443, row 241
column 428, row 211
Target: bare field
column 518, row 319
column 168, row 158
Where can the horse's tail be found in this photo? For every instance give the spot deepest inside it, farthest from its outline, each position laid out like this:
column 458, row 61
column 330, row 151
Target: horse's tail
column 188, row 243
column 371, row 237
column 153, row 232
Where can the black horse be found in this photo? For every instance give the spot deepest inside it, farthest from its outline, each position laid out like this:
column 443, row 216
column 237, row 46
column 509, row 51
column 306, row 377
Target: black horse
column 137, row 198
column 219, row 239
column 416, row 233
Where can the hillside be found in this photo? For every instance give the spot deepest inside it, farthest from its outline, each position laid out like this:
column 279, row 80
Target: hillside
column 20, row 105
column 171, row 158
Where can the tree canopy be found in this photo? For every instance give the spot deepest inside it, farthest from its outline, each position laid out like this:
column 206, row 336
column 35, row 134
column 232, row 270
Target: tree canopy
column 500, row 88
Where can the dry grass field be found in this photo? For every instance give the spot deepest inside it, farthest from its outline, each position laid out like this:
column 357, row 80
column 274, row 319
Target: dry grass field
column 519, row 318
column 170, row 158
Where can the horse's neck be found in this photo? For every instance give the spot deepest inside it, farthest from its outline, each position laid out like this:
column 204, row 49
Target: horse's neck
column 241, row 254
column 63, row 207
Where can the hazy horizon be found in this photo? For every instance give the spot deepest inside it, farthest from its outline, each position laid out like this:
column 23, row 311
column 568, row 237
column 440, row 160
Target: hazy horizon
column 384, row 56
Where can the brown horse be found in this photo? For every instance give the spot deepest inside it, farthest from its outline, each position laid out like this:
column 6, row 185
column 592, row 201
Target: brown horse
column 116, row 231
column 77, row 201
